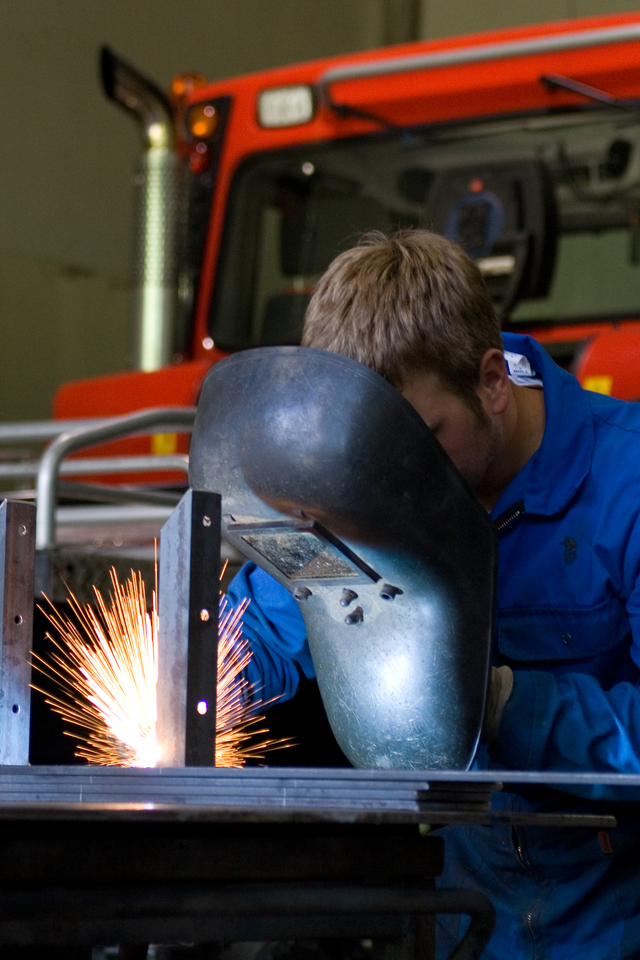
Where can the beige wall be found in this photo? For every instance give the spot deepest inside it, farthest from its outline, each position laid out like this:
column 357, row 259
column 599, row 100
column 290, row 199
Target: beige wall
column 66, row 154
column 66, row 158
column 59, row 322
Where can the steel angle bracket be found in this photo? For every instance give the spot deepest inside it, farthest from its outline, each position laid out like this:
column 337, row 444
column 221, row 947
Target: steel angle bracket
column 189, row 589
column 17, row 572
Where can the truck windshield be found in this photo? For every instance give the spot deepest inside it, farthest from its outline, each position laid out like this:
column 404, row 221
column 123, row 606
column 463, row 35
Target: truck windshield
column 549, row 206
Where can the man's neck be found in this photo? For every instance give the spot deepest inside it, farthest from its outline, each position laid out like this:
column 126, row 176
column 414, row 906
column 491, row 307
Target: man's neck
column 519, row 438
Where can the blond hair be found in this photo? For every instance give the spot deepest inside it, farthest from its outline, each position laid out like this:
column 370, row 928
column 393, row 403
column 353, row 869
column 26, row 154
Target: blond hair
column 402, row 304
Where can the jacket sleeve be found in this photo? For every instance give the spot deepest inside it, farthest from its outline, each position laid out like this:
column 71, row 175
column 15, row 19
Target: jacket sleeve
column 275, row 630
column 570, row 724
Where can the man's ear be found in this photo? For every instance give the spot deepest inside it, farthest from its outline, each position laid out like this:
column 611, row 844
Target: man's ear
column 493, row 386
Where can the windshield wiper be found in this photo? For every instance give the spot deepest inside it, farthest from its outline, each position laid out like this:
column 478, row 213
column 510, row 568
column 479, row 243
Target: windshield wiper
column 346, row 110
column 554, row 81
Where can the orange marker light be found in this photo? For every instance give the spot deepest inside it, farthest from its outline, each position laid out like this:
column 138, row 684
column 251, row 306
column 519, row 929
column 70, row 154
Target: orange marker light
column 183, row 86
column 202, row 121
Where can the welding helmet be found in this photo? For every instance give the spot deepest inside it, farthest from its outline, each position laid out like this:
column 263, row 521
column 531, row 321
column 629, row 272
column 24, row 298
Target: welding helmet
column 333, row 484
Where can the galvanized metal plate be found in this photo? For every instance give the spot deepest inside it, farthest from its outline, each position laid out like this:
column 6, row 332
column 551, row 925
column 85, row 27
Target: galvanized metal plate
column 258, row 794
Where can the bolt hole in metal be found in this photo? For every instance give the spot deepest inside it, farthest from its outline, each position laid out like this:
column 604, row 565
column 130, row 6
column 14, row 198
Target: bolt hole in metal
column 18, row 619
column 206, row 521
column 388, row 591
column 22, row 530
column 204, row 615
column 15, row 708
column 202, row 706
column 302, row 593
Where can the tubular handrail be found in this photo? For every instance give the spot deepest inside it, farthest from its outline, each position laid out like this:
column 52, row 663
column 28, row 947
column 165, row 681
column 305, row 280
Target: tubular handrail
column 109, row 514
column 156, row 463
column 34, row 431
column 168, row 417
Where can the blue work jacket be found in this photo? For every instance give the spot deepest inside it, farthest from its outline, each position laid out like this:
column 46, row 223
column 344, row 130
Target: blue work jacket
column 569, row 585
column 568, row 590
column 569, row 626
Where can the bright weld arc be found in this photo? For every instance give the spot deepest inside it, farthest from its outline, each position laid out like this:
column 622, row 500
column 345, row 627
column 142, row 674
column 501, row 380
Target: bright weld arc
column 105, row 666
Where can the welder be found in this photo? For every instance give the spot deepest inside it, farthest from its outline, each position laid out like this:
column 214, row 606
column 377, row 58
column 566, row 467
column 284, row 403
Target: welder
column 557, row 468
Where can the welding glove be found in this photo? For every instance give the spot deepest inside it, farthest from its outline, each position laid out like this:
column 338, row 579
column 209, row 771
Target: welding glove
column 500, row 688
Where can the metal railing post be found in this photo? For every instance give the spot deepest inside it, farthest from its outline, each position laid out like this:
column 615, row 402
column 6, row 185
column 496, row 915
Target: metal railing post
column 66, row 443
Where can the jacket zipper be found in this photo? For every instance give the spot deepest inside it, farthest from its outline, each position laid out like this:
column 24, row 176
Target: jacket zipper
column 509, row 515
column 530, row 927
column 520, row 855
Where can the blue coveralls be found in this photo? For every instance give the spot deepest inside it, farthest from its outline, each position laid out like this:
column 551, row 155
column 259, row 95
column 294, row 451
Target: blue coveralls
column 569, row 626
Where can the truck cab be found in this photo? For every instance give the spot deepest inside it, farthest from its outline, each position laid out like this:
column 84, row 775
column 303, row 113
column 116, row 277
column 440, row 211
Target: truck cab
column 522, row 145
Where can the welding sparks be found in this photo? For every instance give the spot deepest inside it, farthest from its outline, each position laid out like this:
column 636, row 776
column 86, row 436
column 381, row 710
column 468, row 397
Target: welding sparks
column 105, row 667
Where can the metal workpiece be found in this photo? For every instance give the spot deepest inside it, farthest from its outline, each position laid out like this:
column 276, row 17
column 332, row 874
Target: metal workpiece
column 286, row 795
column 271, row 791
column 332, row 482
column 189, row 591
column 17, row 561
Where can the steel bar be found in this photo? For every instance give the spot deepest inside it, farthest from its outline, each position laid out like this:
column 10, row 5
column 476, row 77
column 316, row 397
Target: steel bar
column 102, row 465
column 132, row 812
column 347, row 777
column 66, row 443
column 135, row 513
column 188, row 644
column 17, row 565
column 34, row 431
column 341, row 793
column 123, row 493
column 89, row 914
column 205, row 930
column 202, row 645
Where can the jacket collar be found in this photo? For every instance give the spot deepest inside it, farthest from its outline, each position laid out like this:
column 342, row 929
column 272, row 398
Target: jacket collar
column 559, row 466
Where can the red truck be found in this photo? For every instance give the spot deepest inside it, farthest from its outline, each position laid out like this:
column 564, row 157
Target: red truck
column 523, row 145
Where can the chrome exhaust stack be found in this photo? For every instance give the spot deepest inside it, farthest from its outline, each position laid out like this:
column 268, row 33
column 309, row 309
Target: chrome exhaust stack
column 156, row 210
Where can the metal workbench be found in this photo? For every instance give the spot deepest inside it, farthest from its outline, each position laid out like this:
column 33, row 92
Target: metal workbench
column 104, row 855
